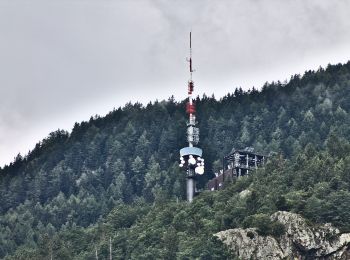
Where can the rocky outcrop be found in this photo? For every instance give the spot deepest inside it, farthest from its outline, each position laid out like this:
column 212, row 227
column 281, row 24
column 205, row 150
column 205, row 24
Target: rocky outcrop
column 299, row 241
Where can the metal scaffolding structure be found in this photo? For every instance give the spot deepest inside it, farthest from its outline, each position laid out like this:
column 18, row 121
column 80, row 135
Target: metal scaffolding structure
column 236, row 164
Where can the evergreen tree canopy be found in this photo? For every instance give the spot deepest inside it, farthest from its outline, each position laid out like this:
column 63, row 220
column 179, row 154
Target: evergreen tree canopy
column 117, row 176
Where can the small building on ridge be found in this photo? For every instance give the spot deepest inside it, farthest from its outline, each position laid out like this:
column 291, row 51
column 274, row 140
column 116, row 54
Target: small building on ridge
column 236, row 164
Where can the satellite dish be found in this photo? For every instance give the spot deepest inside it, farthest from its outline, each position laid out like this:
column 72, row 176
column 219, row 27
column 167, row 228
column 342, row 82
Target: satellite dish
column 192, row 161
column 199, row 170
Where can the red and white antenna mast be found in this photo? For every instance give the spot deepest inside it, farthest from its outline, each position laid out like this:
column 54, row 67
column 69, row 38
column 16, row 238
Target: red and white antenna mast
column 192, row 131
column 190, row 156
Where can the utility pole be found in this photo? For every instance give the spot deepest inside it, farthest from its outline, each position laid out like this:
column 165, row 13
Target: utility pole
column 51, row 249
column 110, row 248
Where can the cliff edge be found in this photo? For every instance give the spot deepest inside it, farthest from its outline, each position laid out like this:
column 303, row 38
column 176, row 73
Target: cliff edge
column 300, row 240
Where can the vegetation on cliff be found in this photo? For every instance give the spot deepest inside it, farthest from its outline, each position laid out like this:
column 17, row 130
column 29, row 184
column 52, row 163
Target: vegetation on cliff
column 118, row 176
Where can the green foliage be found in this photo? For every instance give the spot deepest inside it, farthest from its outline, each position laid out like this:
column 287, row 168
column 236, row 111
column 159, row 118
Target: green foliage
column 118, row 177
column 265, row 226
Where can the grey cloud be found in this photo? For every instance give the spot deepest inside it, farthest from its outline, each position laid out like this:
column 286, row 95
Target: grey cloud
column 62, row 61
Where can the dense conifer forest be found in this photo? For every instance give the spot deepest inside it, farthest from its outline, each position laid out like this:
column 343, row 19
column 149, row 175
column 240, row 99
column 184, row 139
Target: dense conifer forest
column 116, row 178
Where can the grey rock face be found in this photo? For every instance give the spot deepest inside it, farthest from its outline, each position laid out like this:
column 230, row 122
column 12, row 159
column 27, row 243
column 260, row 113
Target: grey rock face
column 300, row 241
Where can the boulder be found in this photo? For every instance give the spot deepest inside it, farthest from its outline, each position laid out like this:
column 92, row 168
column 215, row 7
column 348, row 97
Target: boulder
column 300, row 240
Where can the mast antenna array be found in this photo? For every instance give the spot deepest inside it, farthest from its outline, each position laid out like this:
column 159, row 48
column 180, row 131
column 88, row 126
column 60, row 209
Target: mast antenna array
column 190, row 157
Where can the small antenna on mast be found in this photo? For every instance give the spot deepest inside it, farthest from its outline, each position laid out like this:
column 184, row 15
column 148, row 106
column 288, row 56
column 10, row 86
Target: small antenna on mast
column 191, row 70
column 190, row 40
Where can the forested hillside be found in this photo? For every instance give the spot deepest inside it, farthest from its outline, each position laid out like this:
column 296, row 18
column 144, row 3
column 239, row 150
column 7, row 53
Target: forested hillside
column 118, row 176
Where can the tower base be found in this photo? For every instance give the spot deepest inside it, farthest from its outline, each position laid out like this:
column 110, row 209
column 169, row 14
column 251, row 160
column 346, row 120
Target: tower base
column 190, row 183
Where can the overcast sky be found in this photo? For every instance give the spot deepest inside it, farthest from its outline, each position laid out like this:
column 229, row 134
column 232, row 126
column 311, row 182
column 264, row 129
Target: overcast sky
column 62, row 61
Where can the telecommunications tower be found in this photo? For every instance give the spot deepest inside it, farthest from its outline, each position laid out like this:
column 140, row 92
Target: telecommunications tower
column 190, row 157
